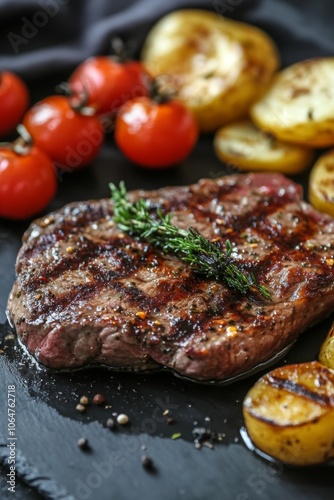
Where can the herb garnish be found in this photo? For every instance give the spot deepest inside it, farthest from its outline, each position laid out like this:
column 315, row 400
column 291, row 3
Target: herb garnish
column 203, row 256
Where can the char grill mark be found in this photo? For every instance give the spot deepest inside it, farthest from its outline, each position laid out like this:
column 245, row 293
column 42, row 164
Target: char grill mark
column 264, row 229
column 308, row 265
column 193, row 325
column 47, row 241
column 288, row 238
column 300, row 389
column 73, row 220
column 123, row 281
column 84, row 253
column 251, row 218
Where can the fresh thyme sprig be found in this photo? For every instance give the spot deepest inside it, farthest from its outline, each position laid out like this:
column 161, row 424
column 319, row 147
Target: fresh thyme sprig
column 203, row 256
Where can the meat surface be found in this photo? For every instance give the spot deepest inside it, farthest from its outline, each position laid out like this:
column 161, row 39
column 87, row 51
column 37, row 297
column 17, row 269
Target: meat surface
column 86, row 293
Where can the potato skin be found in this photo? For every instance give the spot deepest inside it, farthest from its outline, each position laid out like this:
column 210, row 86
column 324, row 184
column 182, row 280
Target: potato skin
column 326, row 355
column 246, row 147
column 219, row 67
column 298, row 107
column 289, row 413
column 321, row 184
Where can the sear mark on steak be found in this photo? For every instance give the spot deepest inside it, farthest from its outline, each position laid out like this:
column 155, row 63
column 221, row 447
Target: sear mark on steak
column 86, row 293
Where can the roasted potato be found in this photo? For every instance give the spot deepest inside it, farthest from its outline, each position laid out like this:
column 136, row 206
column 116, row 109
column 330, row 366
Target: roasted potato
column 289, row 413
column 321, row 184
column 326, row 355
column 248, row 148
column 299, row 105
column 218, row 67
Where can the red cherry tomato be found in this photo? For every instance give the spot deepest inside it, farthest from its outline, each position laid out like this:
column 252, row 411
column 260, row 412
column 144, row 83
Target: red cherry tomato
column 69, row 137
column 155, row 135
column 109, row 83
column 27, row 182
column 14, row 100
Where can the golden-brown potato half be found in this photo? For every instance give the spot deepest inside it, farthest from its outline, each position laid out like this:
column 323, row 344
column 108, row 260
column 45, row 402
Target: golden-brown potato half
column 326, row 355
column 299, row 105
column 248, row 148
column 218, row 67
column 321, row 184
column 289, row 413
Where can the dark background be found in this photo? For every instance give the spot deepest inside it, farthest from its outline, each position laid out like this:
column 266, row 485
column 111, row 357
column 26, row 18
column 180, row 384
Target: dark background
column 80, row 28
column 43, row 41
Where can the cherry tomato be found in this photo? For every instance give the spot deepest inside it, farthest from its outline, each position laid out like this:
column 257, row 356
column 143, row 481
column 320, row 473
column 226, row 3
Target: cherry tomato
column 27, row 182
column 71, row 138
column 109, row 83
column 14, row 100
column 155, row 135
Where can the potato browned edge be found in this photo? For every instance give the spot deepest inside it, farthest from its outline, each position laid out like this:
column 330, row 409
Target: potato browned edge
column 218, row 67
column 321, row 184
column 244, row 146
column 326, row 355
column 299, row 104
column 289, row 413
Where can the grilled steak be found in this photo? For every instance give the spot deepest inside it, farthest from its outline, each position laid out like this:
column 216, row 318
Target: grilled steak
column 86, row 293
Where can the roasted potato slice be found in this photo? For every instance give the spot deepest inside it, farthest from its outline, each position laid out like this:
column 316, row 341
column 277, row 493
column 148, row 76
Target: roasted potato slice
column 218, row 67
column 289, row 413
column 326, row 355
column 249, row 148
column 321, row 184
column 299, row 105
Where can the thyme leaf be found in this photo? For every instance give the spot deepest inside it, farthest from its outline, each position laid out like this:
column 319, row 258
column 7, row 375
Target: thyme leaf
column 204, row 256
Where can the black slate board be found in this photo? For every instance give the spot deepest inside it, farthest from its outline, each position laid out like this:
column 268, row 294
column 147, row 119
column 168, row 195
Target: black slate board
column 49, row 463
column 48, row 426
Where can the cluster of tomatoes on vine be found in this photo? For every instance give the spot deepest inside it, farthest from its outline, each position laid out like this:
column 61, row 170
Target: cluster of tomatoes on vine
column 67, row 131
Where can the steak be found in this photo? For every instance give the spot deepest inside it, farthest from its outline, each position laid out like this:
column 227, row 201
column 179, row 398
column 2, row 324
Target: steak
column 88, row 294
